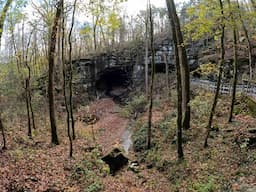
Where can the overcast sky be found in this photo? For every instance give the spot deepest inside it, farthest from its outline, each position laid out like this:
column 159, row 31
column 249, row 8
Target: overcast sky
column 133, row 6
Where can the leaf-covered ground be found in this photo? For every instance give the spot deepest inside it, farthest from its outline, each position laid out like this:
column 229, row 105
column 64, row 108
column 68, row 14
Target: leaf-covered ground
column 35, row 165
column 228, row 164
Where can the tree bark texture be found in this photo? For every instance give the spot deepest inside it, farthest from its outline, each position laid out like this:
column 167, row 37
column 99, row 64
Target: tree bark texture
column 52, row 46
column 149, row 134
column 3, row 16
column 179, row 86
column 221, row 62
column 146, row 55
column 235, row 64
column 185, row 79
column 3, row 133
column 249, row 43
column 71, row 72
column 64, row 72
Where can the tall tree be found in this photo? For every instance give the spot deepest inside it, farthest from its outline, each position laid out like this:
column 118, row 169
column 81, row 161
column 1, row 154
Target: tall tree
column 68, row 101
column 23, row 62
column 2, row 19
column 106, row 22
column 30, row 112
column 235, row 60
column 183, row 64
column 44, row 12
column 149, row 134
column 27, row 107
column 3, row 16
column 249, row 43
column 52, row 46
column 71, row 72
column 146, row 53
column 166, row 73
column 221, row 62
column 3, row 133
column 179, row 85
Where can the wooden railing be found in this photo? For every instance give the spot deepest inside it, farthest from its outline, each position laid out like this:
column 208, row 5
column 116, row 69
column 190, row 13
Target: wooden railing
column 226, row 88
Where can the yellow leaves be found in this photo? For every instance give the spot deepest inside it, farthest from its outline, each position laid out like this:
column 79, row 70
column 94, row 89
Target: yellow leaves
column 209, row 68
column 86, row 30
column 191, row 11
column 203, row 20
column 114, row 21
column 101, row 21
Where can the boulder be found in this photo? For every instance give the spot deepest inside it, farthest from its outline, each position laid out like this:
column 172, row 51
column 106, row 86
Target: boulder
column 134, row 167
column 115, row 159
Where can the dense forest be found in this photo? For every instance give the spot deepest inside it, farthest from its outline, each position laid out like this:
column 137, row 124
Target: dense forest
column 94, row 98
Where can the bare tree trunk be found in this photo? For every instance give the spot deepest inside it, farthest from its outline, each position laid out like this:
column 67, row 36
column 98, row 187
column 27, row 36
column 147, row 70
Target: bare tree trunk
column 179, row 107
column 183, row 64
column 27, row 79
column 3, row 16
column 23, row 41
column 250, row 47
column 28, row 89
column 64, row 71
column 221, row 62
column 27, row 107
column 179, row 87
column 36, row 71
column 103, row 36
column 58, row 69
column 2, row 19
column 149, row 134
column 30, row 106
column 166, row 72
column 146, row 55
column 94, row 34
column 235, row 63
column 71, row 73
column 52, row 46
column 3, row 133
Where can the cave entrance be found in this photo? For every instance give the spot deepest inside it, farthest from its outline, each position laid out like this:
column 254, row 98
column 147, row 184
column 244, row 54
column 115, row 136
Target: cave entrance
column 113, row 82
column 160, row 68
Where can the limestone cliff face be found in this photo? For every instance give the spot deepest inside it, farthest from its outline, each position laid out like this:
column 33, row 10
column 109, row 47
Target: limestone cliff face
column 129, row 62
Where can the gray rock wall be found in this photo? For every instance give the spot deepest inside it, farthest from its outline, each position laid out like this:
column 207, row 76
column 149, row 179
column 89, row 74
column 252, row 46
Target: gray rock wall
column 130, row 59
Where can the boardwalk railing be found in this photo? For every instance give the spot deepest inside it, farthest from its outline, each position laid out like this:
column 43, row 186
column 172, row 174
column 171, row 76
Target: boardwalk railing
column 226, row 88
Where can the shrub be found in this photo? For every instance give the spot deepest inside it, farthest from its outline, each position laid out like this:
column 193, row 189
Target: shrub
column 95, row 187
column 245, row 105
column 200, row 106
column 136, row 105
column 139, row 138
column 207, row 71
column 174, row 98
column 156, row 159
column 89, row 172
column 167, row 127
column 208, row 186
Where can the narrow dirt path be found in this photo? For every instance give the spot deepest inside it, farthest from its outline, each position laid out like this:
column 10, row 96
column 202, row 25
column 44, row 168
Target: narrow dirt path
column 34, row 165
column 111, row 129
column 110, row 126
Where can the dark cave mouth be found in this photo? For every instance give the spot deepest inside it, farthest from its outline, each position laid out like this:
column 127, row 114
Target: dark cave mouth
column 113, row 82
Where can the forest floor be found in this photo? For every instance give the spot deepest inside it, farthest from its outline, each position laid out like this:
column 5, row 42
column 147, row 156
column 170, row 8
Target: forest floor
column 35, row 165
column 228, row 164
